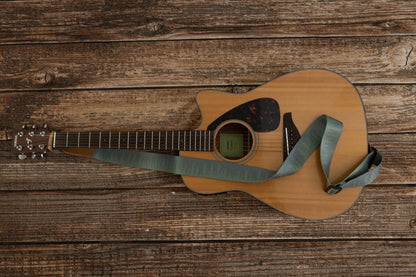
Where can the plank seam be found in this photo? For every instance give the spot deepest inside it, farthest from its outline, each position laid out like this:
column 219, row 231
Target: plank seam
column 198, row 39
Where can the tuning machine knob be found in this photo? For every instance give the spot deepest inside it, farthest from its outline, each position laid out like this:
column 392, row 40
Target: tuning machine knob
column 44, row 155
column 22, row 156
column 33, row 155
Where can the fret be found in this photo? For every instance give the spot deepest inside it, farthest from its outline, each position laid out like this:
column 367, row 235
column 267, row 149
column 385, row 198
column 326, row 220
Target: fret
column 136, row 139
column 158, row 148
column 184, row 140
column 144, row 141
column 166, row 140
column 128, row 140
column 173, row 132
column 89, row 139
column 190, row 140
column 109, row 140
column 205, row 140
column 179, row 136
column 209, row 140
column 78, row 138
column 66, row 144
column 99, row 141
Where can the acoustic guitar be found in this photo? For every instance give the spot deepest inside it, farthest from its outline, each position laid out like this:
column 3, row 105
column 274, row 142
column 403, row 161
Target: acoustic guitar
column 257, row 128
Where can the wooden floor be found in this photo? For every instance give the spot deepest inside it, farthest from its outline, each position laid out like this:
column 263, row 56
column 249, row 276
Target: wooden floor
column 127, row 65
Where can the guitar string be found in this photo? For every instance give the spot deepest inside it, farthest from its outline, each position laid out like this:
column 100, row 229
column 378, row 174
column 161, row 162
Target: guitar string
column 196, row 146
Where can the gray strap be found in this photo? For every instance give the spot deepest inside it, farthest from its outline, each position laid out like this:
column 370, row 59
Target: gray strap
column 324, row 131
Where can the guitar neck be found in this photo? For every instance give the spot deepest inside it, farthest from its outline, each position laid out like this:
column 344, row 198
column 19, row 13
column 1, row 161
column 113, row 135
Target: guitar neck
column 156, row 141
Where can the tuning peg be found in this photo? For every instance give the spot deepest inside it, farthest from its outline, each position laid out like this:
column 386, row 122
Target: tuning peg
column 44, row 155
column 45, row 126
column 19, row 148
column 22, row 156
column 20, row 133
column 30, row 146
column 33, row 155
column 34, row 126
column 24, row 126
column 42, row 133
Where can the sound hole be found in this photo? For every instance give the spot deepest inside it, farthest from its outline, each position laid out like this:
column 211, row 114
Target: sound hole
column 233, row 141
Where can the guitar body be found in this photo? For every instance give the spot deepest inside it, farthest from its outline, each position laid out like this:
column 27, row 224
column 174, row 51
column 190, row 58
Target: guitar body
column 305, row 94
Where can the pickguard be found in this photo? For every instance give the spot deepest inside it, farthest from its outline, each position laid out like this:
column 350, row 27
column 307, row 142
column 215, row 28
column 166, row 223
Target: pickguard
column 262, row 114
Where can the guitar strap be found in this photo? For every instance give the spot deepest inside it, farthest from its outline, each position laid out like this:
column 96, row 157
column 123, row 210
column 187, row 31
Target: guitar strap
column 324, row 132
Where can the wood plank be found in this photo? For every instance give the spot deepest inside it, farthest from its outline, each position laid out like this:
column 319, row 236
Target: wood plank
column 61, row 171
column 259, row 258
column 199, row 63
column 382, row 212
column 389, row 108
column 28, row 21
column 386, row 105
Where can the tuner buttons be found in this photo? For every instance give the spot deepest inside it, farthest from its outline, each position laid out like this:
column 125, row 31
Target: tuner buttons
column 45, row 126
column 33, row 156
column 19, row 148
column 44, row 155
column 20, row 134
column 22, row 156
column 34, row 126
column 42, row 133
column 30, row 147
column 24, row 126
column 31, row 133
column 41, row 146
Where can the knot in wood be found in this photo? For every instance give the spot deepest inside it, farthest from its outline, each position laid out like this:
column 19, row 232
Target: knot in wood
column 44, row 77
column 156, row 27
column 412, row 223
column 388, row 24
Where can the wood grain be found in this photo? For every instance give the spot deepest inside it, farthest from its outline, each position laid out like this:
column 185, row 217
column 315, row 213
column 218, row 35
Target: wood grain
column 246, row 258
column 208, row 62
column 175, row 214
column 389, row 108
column 66, row 21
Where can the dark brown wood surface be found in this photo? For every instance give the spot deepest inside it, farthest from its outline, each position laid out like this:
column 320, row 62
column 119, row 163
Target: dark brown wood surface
column 138, row 65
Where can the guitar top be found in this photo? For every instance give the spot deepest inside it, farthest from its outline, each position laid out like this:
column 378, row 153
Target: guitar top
column 257, row 128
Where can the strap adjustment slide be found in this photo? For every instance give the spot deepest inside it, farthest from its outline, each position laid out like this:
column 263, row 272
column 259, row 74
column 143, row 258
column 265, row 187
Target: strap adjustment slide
column 334, row 189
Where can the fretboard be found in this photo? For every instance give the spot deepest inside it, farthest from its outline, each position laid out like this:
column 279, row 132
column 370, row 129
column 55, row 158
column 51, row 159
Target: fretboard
column 140, row 140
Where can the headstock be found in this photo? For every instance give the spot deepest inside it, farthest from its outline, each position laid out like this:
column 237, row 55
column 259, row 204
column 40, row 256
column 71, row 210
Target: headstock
column 31, row 141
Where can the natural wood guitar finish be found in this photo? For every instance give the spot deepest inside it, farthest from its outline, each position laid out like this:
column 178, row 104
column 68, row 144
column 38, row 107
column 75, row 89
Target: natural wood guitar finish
column 306, row 94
